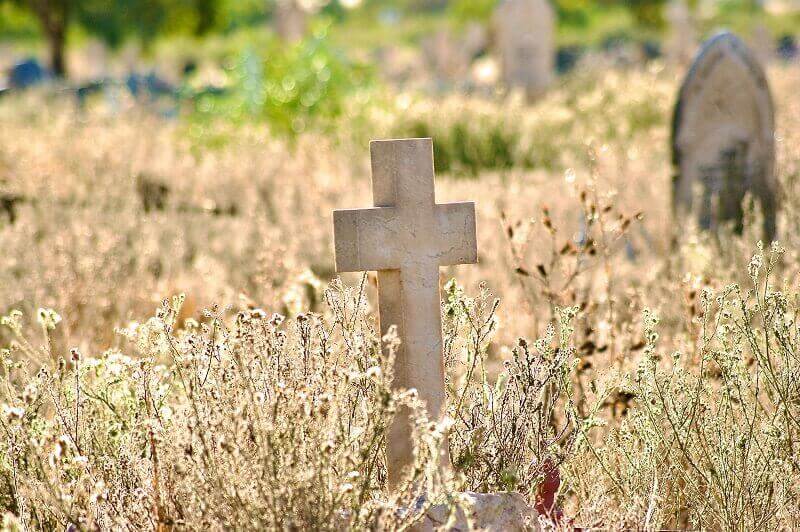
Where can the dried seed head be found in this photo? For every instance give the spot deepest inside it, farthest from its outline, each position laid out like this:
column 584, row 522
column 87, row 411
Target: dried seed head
column 13, row 413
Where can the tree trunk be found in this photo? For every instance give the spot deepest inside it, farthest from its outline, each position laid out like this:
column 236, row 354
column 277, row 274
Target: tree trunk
column 56, row 42
column 53, row 15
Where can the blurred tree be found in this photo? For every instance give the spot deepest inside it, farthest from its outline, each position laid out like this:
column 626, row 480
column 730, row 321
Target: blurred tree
column 648, row 13
column 114, row 21
column 469, row 10
column 53, row 17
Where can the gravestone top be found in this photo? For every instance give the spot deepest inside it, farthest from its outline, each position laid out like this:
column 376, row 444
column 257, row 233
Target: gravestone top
column 524, row 33
column 722, row 139
column 406, row 237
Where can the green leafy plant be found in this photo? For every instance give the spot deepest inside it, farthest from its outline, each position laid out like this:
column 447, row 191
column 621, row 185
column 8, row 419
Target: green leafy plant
column 291, row 87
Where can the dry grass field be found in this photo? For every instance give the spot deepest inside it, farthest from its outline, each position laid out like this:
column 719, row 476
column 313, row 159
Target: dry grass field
column 178, row 353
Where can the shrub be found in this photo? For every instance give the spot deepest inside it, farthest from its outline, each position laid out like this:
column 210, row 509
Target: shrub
column 291, row 87
column 475, row 134
column 710, row 439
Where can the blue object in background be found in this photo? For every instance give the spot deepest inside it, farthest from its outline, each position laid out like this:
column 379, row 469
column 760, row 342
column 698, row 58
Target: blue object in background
column 28, row 73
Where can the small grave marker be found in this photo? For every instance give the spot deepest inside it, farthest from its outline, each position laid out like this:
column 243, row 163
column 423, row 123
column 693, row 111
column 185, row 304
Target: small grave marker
column 406, row 237
column 446, row 57
column 723, row 137
column 524, row 32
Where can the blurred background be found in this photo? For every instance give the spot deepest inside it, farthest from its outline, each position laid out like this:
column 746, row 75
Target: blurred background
column 294, row 63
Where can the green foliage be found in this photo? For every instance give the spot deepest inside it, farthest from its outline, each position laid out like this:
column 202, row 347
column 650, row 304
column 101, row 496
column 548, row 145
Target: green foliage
column 17, row 23
column 473, row 135
column 113, row 21
column 116, row 20
column 293, row 87
column 648, row 13
column 468, row 10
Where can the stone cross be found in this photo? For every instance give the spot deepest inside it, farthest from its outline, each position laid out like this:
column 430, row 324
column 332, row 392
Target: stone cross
column 406, row 237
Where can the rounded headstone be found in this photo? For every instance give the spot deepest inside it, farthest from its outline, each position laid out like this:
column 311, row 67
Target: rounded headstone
column 723, row 137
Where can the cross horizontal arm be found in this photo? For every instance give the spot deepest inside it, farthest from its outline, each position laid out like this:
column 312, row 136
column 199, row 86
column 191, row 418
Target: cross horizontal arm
column 363, row 239
column 457, row 233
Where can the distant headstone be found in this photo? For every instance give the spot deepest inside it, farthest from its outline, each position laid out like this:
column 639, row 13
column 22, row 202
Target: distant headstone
column 445, row 57
column 26, row 74
column 289, row 20
column 96, row 64
column 723, row 137
column 475, row 40
column 682, row 37
column 524, row 33
column 449, row 57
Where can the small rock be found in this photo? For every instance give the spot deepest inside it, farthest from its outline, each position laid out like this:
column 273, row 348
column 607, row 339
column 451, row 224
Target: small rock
column 482, row 511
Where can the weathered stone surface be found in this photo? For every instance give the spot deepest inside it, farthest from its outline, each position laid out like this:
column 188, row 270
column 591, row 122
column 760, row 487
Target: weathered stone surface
column 506, row 512
column 723, row 137
column 524, row 33
column 406, row 237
